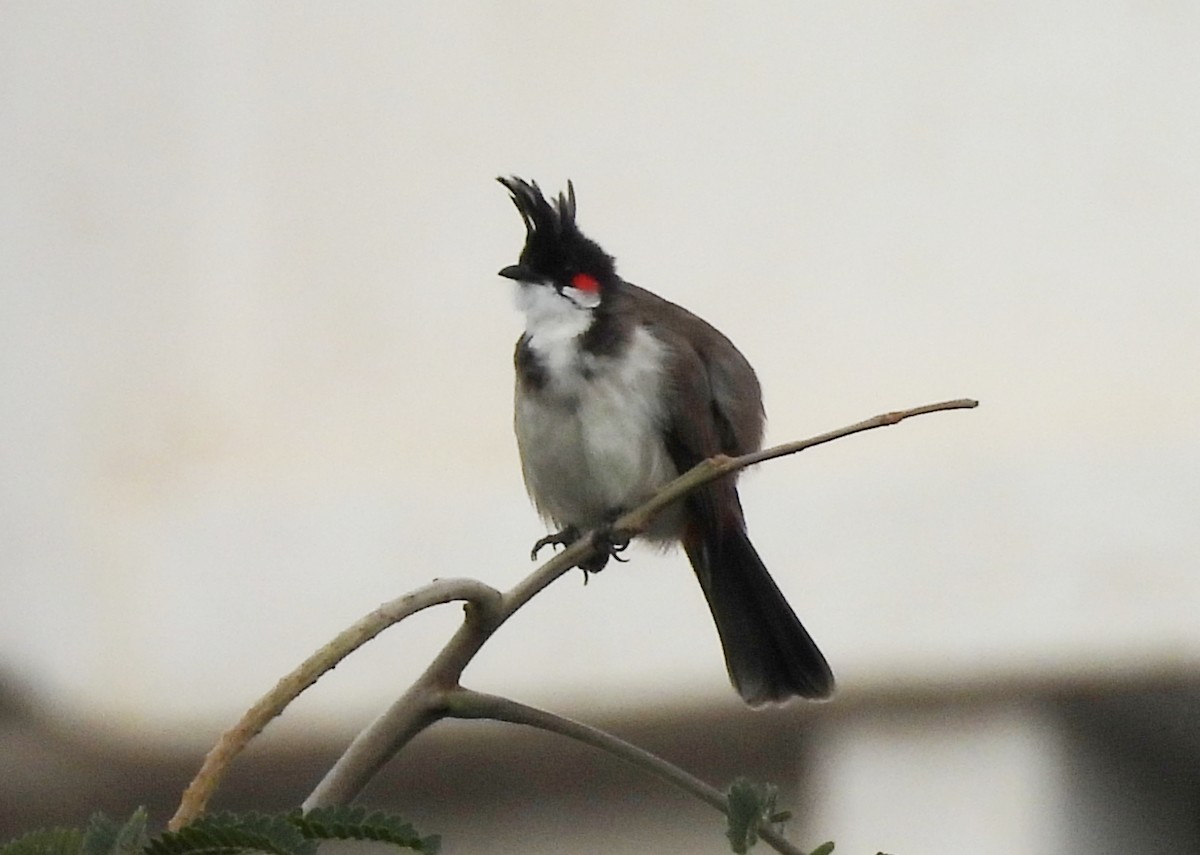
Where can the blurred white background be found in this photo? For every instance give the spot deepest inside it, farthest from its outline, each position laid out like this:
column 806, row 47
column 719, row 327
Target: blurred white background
column 255, row 361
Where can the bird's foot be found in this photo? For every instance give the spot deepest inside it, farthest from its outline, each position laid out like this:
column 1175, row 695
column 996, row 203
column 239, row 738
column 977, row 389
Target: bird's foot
column 609, row 541
column 612, row 541
column 563, row 538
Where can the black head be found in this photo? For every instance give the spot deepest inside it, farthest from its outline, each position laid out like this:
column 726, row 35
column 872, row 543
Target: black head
column 555, row 250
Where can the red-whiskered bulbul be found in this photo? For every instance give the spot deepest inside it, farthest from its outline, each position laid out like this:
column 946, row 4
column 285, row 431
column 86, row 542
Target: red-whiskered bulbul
column 619, row 391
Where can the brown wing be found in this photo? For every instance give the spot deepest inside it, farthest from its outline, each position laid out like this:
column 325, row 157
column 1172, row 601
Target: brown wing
column 715, row 400
column 709, row 376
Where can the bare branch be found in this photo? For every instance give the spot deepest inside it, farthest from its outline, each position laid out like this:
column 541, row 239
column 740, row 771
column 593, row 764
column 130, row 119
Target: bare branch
column 637, row 520
column 200, row 790
column 430, row 698
column 424, row 702
column 465, row 703
column 882, row 420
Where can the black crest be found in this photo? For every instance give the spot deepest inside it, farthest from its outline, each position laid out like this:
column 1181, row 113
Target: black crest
column 554, row 246
column 540, row 215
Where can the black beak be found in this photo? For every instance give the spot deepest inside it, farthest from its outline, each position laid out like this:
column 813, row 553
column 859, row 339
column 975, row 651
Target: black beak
column 519, row 272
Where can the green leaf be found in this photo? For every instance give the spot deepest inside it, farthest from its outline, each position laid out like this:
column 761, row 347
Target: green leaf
column 106, row 836
column 751, row 806
column 103, row 836
column 234, row 833
column 824, row 849
column 356, row 823
column 46, row 841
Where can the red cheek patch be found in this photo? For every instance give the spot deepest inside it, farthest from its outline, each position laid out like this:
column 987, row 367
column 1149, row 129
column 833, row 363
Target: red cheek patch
column 584, row 282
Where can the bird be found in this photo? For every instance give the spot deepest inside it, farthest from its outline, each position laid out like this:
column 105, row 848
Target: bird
column 618, row 391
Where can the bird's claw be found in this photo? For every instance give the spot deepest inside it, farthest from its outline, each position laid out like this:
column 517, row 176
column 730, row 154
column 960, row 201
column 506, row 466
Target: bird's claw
column 610, row 544
column 609, row 541
column 615, row 542
column 563, row 538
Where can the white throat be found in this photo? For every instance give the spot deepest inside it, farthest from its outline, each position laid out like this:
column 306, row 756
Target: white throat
column 553, row 319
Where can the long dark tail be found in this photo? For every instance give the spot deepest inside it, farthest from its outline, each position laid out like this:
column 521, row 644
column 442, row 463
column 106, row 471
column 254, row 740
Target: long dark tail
column 769, row 654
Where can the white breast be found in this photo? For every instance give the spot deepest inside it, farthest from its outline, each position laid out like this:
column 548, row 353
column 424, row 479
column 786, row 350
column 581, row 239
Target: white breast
column 591, row 437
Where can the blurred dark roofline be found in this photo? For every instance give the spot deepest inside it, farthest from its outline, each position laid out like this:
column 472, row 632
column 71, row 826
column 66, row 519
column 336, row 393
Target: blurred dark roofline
column 58, row 773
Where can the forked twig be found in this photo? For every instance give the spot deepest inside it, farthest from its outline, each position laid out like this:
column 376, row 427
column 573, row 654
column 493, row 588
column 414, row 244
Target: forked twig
column 437, row 694
column 199, row 791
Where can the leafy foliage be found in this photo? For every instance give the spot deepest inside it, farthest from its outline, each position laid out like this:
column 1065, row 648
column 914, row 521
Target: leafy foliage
column 105, row 836
column 232, row 833
column 48, row 841
column 355, row 823
column 751, row 806
column 291, row 833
